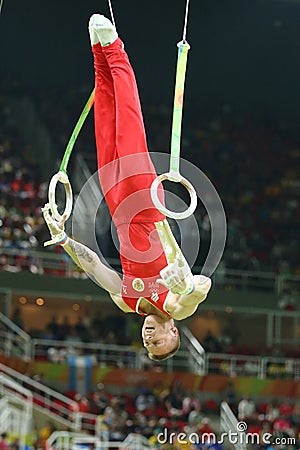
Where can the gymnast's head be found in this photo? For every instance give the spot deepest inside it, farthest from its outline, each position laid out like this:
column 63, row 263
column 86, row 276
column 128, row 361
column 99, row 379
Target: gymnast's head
column 160, row 337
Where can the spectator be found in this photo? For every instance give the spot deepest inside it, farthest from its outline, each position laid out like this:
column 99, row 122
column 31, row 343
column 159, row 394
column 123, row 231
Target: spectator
column 272, row 411
column 114, row 414
column 211, row 343
column 191, row 407
column 231, row 397
column 246, row 409
column 206, row 430
column 54, row 327
column 4, row 444
column 17, row 318
column 174, row 404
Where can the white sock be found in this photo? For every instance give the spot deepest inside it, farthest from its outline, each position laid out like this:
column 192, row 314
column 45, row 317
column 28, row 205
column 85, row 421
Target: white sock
column 101, row 30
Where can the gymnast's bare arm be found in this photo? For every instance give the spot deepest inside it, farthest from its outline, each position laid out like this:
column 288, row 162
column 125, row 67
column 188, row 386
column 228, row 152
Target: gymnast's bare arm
column 86, row 259
column 89, row 261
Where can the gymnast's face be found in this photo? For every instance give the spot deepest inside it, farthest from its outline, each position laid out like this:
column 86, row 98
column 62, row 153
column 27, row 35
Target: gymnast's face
column 160, row 336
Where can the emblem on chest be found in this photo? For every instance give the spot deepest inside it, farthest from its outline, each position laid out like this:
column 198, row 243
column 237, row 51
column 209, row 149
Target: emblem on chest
column 138, row 285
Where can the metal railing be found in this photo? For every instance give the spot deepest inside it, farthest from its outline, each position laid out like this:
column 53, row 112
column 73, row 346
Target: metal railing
column 62, row 440
column 254, row 366
column 13, row 340
column 15, row 408
column 190, row 359
column 104, row 354
column 192, row 356
column 196, row 353
column 57, row 406
column 38, row 262
column 229, row 425
column 42, row 262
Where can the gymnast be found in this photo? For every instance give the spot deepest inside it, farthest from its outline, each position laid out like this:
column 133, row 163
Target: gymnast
column 157, row 281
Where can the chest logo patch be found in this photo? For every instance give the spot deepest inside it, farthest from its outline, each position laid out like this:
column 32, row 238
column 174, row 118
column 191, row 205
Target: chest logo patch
column 138, row 285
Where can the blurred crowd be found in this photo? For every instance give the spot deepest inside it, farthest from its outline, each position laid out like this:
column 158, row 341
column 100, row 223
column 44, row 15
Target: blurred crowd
column 159, row 412
column 162, row 413
column 252, row 162
column 22, row 194
column 170, row 417
column 114, row 329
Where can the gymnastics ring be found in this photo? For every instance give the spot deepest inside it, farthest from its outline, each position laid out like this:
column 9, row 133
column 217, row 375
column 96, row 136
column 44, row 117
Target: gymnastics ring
column 63, row 178
column 178, row 179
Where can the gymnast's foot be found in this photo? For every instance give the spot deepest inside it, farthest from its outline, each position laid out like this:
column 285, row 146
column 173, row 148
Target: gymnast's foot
column 101, row 30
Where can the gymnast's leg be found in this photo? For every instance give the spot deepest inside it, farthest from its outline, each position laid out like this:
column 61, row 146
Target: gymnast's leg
column 104, row 105
column 126, row 170
column 135, row 173
column 104, row 114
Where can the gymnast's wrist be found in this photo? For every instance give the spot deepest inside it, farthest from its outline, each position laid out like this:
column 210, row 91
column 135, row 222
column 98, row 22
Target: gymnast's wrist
column 190, row 287
column 63, row 240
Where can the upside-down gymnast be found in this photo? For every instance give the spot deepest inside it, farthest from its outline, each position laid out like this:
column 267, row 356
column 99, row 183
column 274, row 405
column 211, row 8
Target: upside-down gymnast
column 153, row 285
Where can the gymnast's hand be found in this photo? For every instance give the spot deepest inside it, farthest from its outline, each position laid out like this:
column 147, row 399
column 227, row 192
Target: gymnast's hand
column 56, row 228
column 177, row 277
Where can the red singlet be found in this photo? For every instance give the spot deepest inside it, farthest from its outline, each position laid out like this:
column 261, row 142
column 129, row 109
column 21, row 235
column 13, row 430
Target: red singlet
column 126, row 173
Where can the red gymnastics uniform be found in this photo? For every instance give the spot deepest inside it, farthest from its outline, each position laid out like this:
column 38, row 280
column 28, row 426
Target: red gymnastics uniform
column 126, row 173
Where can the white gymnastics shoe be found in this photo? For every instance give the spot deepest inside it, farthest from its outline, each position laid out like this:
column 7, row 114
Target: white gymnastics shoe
column 101, row 30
